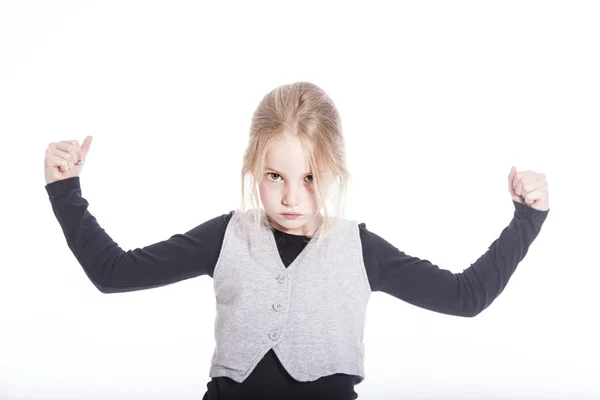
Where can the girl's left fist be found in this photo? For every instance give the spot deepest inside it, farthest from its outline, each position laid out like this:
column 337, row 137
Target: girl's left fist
column 529, row 188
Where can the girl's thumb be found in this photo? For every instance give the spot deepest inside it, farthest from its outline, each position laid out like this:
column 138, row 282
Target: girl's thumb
column 511, row 177
column 85, row 146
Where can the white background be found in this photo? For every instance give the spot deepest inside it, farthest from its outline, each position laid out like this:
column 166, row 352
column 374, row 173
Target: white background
column 438, row 101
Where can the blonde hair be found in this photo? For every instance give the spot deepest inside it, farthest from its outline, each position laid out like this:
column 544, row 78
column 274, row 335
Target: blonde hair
column 305, row 110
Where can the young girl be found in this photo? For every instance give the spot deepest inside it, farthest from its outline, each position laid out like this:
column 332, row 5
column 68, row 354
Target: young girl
column 292, row 279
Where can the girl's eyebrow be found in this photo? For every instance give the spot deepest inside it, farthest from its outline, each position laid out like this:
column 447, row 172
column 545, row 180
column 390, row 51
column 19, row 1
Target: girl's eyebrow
column 279, row 173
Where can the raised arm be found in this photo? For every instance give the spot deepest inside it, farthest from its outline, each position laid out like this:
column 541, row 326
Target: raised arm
column 113, row 269
column 424, row 284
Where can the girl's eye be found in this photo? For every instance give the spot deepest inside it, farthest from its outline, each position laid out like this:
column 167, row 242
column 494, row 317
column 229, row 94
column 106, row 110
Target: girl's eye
column 274, row 176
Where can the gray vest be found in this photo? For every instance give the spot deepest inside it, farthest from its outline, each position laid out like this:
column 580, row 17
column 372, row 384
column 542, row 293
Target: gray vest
column 312, row 313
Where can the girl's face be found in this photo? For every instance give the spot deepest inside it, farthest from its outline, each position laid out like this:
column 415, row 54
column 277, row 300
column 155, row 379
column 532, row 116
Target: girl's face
column 287, row 188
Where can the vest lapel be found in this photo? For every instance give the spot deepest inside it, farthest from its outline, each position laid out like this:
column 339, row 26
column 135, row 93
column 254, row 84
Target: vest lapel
column 270, row 238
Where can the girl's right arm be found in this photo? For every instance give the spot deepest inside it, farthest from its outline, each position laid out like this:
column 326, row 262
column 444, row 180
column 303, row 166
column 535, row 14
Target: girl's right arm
column 113, row 269
column 108, row 266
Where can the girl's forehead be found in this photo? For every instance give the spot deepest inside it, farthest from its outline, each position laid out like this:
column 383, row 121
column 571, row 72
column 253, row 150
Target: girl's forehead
column 287, row 156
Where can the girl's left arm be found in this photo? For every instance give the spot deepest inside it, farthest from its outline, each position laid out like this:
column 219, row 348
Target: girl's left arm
column 424, row 284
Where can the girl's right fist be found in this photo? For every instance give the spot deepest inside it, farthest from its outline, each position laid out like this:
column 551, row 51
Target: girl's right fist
column 65, row 159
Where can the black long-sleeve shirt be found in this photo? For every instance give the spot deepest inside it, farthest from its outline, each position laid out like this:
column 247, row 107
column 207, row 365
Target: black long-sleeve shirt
column 195, row 253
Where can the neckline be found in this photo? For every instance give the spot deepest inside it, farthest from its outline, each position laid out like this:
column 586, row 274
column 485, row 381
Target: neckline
column 275, row 250
column 292, row 237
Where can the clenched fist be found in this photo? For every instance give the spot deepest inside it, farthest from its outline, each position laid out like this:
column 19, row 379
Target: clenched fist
column 65, row 159
column 530, row 188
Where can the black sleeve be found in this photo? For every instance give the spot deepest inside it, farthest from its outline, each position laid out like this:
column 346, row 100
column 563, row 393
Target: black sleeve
column 113, row 270
column 423, row 284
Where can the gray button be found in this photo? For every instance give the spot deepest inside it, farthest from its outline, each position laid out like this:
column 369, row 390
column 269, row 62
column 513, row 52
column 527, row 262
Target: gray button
column 277, row 306
column 281, row 278
column 274, row 335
